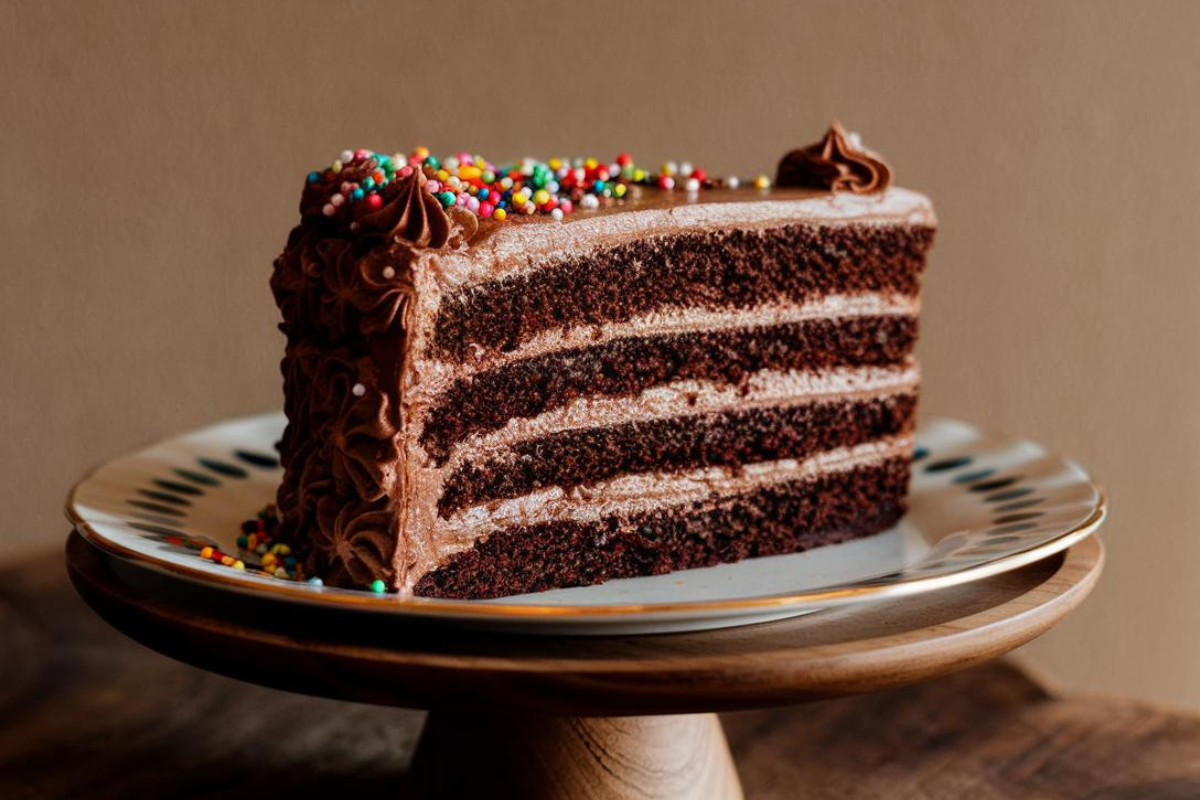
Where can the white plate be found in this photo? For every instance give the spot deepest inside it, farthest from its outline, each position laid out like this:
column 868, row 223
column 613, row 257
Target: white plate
column 978, row 505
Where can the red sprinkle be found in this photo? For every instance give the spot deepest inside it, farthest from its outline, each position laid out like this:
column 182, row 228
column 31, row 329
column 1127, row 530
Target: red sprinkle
column 374, row 202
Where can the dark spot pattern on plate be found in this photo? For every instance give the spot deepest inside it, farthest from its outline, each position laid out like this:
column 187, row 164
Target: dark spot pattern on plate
column 164, row 497
column 224, row 468
column 177, row 487
column 993, row 485
column 1011, row 494
column 977, row 475
column 947, row 464
column 157, row 508
column 197, row 477
column 1007, row 519
column 1020, row 504
column 920, row 453
column 260, row 460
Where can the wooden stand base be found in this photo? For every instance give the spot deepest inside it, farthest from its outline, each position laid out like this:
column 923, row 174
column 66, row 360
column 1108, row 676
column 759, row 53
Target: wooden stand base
column 545, row 717
column 681, row 757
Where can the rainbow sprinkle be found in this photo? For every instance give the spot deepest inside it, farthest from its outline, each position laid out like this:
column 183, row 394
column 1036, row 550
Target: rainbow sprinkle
column 552, row 188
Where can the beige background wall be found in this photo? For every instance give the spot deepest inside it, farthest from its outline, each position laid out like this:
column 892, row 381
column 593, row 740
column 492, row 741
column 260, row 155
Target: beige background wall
column 152, row 155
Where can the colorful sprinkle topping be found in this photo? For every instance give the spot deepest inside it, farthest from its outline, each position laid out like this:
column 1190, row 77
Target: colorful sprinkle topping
column 258, row 550
column 551, row 188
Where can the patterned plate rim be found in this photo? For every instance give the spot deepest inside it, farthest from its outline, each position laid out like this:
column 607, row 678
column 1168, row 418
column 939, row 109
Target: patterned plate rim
column 434, row 607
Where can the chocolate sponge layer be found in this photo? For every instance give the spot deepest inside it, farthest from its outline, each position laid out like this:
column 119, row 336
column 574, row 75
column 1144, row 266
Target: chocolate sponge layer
column 784, row 518
column 730, row 438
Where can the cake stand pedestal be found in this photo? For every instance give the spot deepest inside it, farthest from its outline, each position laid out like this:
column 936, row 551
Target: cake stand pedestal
column 534, row 717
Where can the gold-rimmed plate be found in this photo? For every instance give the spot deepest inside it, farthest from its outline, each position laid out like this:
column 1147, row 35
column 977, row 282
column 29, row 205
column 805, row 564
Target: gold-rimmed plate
column 978, row 505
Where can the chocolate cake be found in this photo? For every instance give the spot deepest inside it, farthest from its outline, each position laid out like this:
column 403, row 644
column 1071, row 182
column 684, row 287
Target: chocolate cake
column 506, row 380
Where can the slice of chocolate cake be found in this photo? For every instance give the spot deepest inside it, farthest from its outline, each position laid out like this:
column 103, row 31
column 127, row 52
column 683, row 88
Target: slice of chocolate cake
column 508, row 380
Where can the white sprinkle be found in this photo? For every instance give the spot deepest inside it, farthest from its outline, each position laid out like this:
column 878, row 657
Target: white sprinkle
column 692, row 185
column 337, row 200
column 329, row 209
column 733, row 182
column 359, row 390
column 685, row 168
column 347, row 156
column 389, row 273
column 557, row 214
column 589, row 201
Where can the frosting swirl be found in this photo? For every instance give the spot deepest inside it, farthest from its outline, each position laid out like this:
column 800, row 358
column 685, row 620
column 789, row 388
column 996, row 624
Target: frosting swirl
column 837, row 163
column 409, row 214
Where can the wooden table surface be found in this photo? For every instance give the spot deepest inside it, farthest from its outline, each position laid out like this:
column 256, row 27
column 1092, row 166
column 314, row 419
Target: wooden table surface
column 85, row 712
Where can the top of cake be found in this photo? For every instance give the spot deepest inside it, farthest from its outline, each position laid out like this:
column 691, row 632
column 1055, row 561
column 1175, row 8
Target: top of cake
column 466, row 201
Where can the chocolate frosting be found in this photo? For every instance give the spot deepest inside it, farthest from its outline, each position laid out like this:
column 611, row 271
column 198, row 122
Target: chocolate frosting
column 343, row 295
column 409, row 214
column 837, row 163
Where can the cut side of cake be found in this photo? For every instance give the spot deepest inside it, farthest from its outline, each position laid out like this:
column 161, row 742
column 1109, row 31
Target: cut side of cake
column 481, row 407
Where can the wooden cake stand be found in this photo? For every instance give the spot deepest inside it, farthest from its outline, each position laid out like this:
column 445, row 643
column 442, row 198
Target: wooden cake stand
column 534, row 717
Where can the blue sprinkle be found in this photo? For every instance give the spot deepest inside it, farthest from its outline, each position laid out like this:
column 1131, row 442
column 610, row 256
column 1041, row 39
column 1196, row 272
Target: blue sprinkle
column 313, row 177
column 357, row 194
column 315, row 581
column 483, row 193
column 598, row 187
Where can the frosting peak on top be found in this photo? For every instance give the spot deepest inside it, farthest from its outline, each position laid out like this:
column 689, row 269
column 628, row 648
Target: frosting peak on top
column 837, row 163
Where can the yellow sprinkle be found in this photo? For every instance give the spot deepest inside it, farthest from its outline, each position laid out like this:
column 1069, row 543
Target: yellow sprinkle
column 762, row 182
column 619, row 190
column 554, row 164
column 469, row 173
column 499, row 214
column 421, row 152
column 239, row 565
column 206, row 552
column 337, row 167
column 281, row 549
column 639, row 175
column 541, row 197
column 442, row 175
column 520, row 198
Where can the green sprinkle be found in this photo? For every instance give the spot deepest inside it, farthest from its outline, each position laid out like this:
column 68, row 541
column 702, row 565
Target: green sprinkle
column 378, row 586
